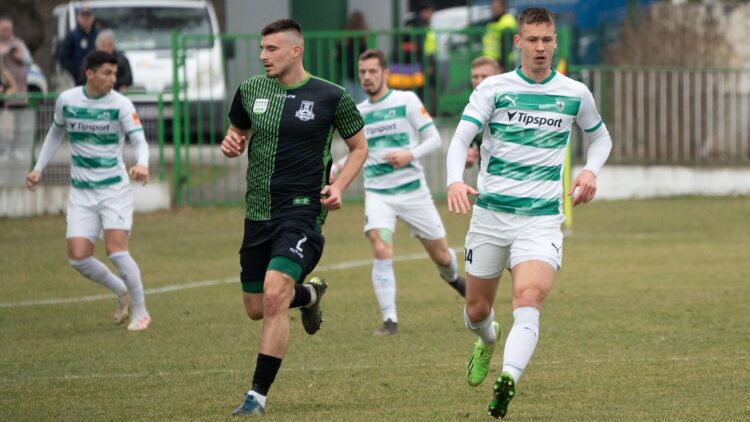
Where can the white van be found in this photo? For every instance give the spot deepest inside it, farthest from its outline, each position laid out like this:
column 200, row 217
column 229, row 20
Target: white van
column 143, row 31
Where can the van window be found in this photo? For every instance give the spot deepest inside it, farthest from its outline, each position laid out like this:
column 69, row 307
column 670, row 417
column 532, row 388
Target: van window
column 150, row 28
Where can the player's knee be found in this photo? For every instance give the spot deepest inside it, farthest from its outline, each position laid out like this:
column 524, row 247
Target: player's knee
column 477, row 311
column 531, row 296
column 275, row 302
column 253, row 313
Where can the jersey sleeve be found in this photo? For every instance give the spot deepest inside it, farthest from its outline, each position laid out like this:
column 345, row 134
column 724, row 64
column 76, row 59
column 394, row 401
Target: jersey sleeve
column 417, row 113
column 129, row 119
column 347, row 119
column 588, row 117
column 58, row 119
column 237, row 114
column 481, row 106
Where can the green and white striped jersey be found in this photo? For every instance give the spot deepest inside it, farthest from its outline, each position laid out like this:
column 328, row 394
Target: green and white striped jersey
column 96, row 129
column 526, row 128
column 393, row 123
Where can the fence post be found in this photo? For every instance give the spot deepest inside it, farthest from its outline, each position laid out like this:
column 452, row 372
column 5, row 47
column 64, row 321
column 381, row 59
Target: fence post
column 176, row 124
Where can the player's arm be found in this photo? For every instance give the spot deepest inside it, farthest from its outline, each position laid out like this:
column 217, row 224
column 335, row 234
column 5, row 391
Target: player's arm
column 458, row 191
column 475, row 116
column 52, row 142
column 349, row 123
column 131, row 124
column 355, row 159
column 429, row 137
column 235, row 141
column 139, row 171
column 596, row 132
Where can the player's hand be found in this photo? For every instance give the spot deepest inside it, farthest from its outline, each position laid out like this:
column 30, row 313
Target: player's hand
column 471, row 157
column 139, row 173
column 399, row 158
column 32, row 179
column 233, row 144
column 330, row 197
column 586, row 184
column 458, row 197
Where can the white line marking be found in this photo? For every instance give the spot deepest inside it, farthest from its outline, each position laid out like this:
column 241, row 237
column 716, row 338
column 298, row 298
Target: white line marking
column 205, row 283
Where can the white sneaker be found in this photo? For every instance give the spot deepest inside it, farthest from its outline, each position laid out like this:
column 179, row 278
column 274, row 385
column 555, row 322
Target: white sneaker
column 123, row 304
column 139, row 321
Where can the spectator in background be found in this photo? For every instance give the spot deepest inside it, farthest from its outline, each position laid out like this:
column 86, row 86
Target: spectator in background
column 105, row 41
column 78, row 44
column 17, row 122
column 7, row 83
column 8, row 42
column 481, row 68
column 413, row 63
column 15, row 58
column 498, row 37
column 347, row 54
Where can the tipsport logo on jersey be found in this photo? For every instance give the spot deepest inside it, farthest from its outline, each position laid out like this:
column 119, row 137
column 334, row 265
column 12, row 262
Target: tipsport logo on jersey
column 531, row 120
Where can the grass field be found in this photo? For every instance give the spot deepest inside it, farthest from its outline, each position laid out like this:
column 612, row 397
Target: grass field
column 649, row 319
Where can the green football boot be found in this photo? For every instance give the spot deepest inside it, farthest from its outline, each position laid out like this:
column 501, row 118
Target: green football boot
column 479, row 361
column 503, row 391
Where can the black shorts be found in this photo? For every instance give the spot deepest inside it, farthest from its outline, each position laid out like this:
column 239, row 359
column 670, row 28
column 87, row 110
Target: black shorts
column 291, row 245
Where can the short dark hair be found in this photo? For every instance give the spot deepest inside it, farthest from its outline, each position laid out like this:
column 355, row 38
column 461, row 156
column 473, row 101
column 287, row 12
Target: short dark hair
column 96, row 58
column 536, row 15
column 372, row 53
column 281, row 25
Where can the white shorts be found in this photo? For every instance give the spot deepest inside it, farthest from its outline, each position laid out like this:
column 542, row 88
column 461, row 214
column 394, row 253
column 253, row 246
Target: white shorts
column 497, row 240
column 416, row 209
column 92, row 210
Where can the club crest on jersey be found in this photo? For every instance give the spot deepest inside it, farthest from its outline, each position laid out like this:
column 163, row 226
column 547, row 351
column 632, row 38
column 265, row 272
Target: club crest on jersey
column 560, row 104
column 260, row 105
column 305, row 112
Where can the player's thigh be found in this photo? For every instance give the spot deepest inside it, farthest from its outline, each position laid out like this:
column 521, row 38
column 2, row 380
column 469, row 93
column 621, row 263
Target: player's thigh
column 487, row 245
column 82, row 218
column 542, row 240
column 532, row 281
column 116, row 207
column 418, row 211
column 254, row 260
column 296, row 248
column 79, row 248
column 379, row 212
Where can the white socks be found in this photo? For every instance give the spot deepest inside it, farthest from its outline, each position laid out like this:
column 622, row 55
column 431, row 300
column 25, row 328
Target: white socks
column 95, row 270
column 131, row 275
column 521, row 341
column 482, row 328
column 384, row 284
column 450, row 272
column 261, row 398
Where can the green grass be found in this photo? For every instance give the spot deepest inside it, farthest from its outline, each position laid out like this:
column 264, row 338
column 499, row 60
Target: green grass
column 649, row 319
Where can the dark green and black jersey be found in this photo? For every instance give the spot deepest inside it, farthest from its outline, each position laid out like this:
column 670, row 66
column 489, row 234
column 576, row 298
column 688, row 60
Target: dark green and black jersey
column 289, row 149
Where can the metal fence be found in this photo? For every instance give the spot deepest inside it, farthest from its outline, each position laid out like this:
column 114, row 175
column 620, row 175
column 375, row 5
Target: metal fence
column 659, row 116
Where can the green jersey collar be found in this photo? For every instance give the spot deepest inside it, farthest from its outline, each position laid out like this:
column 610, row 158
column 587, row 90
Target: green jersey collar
column 388, row 94
column 295, row 86
column 533, row 82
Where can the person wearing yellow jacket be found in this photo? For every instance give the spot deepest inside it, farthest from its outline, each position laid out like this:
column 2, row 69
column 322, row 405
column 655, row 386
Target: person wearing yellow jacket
column 498, row 37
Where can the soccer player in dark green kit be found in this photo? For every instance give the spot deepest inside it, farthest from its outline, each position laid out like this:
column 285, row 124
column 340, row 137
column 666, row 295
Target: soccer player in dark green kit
column 286, row 120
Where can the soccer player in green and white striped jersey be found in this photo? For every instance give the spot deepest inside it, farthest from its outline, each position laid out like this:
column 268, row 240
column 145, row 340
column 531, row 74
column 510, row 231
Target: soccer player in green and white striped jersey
column 399, row 132
column 96, row 120
column 526, row 117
